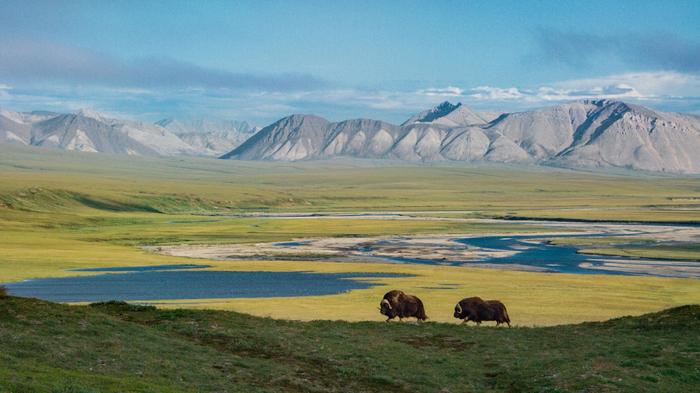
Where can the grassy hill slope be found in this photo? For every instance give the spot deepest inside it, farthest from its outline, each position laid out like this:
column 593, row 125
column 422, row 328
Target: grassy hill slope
column 36, row 179
column 49, row 347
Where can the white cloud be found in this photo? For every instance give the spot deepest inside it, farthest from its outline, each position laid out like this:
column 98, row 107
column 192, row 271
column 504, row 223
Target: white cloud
column 4, row 94
column 449, row 91
column 616, row 92
column 496, row 93
column 631, row 86
column 646, row 84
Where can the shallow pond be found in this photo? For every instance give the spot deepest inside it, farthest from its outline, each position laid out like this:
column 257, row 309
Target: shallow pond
column 171, row 282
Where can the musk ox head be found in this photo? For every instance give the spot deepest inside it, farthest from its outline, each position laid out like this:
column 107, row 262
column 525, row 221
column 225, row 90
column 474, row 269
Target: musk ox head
column 459, row 313
column 386, row 309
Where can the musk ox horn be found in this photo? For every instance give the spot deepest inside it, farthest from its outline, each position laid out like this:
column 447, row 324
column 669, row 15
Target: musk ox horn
column 459, row 308
column 384, row 301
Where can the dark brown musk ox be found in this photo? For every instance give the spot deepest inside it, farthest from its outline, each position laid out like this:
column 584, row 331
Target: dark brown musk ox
column 398, row 304
column 478, row 310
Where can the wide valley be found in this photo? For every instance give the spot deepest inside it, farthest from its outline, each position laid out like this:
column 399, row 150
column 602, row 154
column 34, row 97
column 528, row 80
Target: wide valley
column 553, row 244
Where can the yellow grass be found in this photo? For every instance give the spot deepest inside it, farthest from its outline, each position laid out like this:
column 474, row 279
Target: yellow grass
column 531, row 298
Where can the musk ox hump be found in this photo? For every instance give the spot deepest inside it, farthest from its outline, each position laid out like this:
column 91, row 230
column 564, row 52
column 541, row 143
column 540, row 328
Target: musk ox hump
column 394, row 295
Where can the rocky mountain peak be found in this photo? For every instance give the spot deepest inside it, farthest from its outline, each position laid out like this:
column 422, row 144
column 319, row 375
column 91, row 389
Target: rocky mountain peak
column 441, row 110
column 448, row 115
column 91, row 114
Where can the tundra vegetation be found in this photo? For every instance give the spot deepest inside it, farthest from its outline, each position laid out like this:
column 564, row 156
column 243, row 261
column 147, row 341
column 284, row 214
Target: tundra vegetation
column 63, row 210
column 116, row 347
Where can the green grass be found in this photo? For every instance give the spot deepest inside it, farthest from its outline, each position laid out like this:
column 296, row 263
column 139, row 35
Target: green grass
column 600, row 241
column 119, row 348
column 684, row 251
column 633, row 247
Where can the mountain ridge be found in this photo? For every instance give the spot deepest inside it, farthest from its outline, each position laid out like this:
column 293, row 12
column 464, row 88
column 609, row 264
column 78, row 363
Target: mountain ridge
column 579, row 134
column 586, row 133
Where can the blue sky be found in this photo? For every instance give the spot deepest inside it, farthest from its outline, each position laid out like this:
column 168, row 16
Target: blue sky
column 261, row 60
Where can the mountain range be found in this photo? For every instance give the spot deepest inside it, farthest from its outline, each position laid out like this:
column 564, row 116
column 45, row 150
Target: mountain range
column 90, row 131
column 208, row 136
column 588, row 133
column 582, row 134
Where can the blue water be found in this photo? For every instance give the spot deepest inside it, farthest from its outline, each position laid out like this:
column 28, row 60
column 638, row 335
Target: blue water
column 291, row 244
column 187, row 284
column 541, row 255
column 554, row 258
column 142, row 268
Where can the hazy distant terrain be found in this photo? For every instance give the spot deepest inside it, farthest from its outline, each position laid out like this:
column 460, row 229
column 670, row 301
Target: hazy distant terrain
column 210, row 137
column 89, row 131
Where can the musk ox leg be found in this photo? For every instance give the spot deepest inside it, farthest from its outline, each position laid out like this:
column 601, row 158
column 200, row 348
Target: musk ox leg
column 464, row 321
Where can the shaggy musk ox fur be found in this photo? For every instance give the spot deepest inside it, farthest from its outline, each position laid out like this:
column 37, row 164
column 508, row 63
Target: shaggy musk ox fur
column 398, row 304
column 476, row 309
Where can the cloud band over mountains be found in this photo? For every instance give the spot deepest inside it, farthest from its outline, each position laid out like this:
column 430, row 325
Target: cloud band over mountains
column 23, row 60
column 46, row 74
column 636, row 85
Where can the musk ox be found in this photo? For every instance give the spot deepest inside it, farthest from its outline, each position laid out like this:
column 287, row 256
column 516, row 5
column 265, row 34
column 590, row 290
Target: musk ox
column 476, row 309
column 398, row 304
